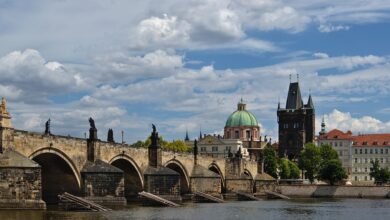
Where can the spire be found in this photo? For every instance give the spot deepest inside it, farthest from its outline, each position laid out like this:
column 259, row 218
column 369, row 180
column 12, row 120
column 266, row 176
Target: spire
column 323, row 129
column 187, row 138
column 241, row 106
column 310, row 103
column 278, row 103
column 200, row 133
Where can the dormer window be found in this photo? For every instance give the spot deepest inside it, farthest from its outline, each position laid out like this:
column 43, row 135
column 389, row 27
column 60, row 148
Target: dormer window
column 364, row 142
column 375, row 143
column 385, row 143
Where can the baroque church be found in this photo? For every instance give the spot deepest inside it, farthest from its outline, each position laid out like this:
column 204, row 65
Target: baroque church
column 296, row 123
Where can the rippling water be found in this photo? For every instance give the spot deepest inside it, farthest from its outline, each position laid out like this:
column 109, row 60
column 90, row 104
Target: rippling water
column 351, row 209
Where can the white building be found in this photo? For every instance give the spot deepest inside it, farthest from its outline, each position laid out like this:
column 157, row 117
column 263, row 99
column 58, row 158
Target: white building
column 357, row 152
column 218, row 147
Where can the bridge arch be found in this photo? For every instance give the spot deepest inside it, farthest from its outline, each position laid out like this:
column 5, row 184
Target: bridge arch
column 59, row 173
column 134, row 181
column 215, row 168
column 177, row 166
column 248, row 173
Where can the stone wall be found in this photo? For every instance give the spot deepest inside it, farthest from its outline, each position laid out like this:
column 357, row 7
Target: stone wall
column 334, row 191
column 20, row 188
column 235, row 185
column 206, row 184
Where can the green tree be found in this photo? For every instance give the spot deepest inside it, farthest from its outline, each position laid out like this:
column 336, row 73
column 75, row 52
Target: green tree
column 310, row 160
column 332, row 171
column 178, row 146
column 270, row 162
column 288, row 169
column 328, row 153
column 380, row 175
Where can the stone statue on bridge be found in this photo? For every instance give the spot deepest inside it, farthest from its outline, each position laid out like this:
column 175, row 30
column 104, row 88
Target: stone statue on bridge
column 110, row 136
column 92, row 129
column 154, row 136
column 47, row 127
column 92, row 123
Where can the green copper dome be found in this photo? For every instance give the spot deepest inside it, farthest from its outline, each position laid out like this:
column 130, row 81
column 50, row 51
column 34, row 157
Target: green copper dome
column 241, row 117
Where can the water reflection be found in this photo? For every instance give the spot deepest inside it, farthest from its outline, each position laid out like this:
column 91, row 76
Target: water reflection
column 271, row 209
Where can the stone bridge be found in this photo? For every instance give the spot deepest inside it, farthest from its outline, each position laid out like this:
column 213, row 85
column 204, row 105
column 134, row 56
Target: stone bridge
column 62, row 158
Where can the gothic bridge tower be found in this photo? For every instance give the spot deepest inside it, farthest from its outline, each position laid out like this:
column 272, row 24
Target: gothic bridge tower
column 296, row 123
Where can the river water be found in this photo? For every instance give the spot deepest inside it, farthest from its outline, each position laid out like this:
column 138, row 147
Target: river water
column 350, row 209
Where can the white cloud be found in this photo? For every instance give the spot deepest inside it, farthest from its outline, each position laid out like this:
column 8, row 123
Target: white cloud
column 162, row 32
column 23, row 72
column 345, row 121
column 321, row 55
column 285, row 18
column 326, row 28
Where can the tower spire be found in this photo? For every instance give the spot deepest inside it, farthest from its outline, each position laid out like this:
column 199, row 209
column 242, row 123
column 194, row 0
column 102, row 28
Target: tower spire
column 323, row 126
column 187, row 138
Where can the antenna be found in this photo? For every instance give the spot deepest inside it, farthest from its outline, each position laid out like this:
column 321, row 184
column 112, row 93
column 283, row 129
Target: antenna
column 297, row 77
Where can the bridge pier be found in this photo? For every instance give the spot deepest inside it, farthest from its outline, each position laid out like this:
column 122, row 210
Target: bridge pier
column 236, row 179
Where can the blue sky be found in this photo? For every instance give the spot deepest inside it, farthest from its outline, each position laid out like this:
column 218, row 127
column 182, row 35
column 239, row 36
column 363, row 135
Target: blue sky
column 184, row 65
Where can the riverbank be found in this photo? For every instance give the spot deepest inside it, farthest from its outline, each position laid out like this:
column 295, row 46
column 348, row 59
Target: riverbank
column 307, row 191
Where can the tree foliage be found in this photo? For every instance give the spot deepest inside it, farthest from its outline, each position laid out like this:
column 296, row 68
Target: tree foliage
column 332, row 171
column 380, row 175
column 176, row 145
column 270, row 162
column 328, row 153
column 288, row 169
column 310, row 160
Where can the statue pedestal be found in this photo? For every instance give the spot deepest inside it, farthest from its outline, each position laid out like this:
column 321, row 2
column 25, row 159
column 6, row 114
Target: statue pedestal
column 93, row 134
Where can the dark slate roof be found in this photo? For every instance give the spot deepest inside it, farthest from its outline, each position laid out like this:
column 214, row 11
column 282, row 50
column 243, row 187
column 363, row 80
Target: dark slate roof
column 310, row 103
column 160, row 171
column 199, row 171
column 99, row 167
column 11, row 158
column 294, row 98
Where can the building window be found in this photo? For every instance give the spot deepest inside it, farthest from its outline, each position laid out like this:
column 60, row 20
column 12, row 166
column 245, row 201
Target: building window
column 365, row 169
column 237, row 134
column 356, row 169
column 335, row 144
column 365, row 151
column 228, row 148
column 341, row 144
column 365, row 160
column 356, row 160
column 356, row 151
column 376, row 151
column 203, row 149
column 382, row 151
column 356, row 178
column 361, row 151
column 371, row 151
column 387, row 151
column 365, row 178
column 248, row 134
column 214, row 149
column 381, row 160
column 341, row 153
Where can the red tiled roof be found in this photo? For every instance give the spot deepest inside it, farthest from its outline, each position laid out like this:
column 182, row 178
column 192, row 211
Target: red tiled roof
column 372, row 140
column 336, row 134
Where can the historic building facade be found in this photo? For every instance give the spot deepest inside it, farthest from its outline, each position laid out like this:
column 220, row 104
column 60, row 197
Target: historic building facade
column 358, row 151
column 296, row 123
column 217, row 147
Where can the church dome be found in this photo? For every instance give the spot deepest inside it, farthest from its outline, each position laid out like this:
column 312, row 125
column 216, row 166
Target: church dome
column 241, row 117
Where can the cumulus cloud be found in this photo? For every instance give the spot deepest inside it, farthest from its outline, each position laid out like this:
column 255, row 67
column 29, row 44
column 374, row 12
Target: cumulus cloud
column 167, row 31
column 26, row 74
column 345, row 121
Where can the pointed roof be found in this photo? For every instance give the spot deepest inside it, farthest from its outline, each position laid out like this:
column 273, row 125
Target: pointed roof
column 187, row 138
column 310, row 103
column 294, row 98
